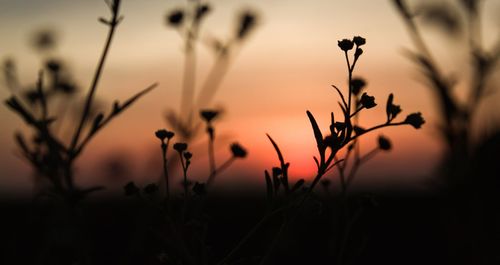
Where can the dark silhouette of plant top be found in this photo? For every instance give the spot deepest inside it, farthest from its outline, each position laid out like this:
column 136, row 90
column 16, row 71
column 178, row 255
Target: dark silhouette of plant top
column 181, row 220
column 456, row 116
column 48, row 153
column 162, row 135
column 343, row 132
column 346, row 131
column 188, row 22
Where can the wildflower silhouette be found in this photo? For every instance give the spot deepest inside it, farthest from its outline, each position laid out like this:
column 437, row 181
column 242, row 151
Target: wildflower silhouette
column 343, row 132
column 178, row 216
column 188, row 22
column 208, row 116
column 162, row 135
column 50, row 157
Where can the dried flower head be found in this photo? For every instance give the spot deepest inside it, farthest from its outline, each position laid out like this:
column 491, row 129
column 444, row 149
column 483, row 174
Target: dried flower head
column 175, row 17
column 248, row 20
column 238, row 150
column 384, row 143
column 415, row 119
column 44, row 40
column 188, row 155
column 208, row 115
column 345, row 44
column 131, row 189
column 359, row 41
column 358, row 52
column 180, row 147
column 162, row 134
column 53, row 65
column 201, row 11
column 357, row 84
column 368, row 101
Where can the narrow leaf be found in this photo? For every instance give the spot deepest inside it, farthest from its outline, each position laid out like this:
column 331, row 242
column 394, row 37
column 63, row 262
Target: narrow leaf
column 137, row 96
column 316, row 161
column 317, row 132
column 341, row 96
column 278, row 152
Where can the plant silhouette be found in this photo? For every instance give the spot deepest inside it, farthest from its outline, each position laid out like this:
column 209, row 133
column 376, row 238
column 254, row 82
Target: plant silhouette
column 188, row 22
column 465, row 174
column 456, row 117
column 183, row 220
column 47, row 153
column 343, row 133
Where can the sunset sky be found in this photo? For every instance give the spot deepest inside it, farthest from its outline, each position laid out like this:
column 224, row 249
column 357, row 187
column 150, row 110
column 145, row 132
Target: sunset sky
column 285, row 68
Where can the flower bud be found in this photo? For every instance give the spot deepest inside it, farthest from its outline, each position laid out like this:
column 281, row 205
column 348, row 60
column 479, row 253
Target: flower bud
column 345, row 44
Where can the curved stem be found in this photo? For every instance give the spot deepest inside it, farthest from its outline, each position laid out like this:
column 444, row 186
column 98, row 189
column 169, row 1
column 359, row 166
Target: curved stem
column 88, row 103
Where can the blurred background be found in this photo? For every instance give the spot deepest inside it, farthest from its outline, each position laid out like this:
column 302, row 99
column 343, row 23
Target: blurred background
column 286, row 67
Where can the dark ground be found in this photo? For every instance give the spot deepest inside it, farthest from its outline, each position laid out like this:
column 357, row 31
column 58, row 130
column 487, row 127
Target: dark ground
column 401, row 229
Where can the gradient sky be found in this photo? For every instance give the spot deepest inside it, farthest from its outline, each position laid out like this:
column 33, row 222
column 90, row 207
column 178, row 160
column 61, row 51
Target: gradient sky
column 286, row 67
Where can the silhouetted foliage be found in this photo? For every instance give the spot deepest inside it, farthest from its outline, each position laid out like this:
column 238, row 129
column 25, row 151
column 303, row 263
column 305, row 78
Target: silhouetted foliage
column 48, row 154
column 343, row 133
column 182, row 220
column 456, row 116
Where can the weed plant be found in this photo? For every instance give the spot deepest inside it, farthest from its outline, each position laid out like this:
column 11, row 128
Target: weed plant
column 285, row 199
column 460, row 22
column 47, row 151
column 467, row 175
column 183, row 218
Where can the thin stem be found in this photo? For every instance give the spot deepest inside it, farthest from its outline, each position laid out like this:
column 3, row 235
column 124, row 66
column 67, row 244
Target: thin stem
column 164, row 148
column 184, row 171
column 211, row 154
column 375, row 128
column 188, row 78
column 110, row 117
column 88, row 103
column 357, row 110
column 358, row 162
column 226, row 164
column 213, row 81
column 349, row 83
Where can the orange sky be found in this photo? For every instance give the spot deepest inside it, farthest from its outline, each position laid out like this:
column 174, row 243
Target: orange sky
column 285, row 68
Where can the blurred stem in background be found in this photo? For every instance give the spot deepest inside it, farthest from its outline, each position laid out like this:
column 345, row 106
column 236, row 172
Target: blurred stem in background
column 461, row 22
column 188, row 22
